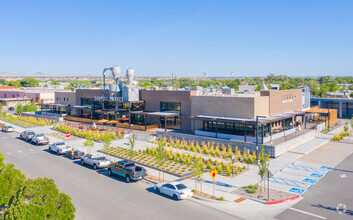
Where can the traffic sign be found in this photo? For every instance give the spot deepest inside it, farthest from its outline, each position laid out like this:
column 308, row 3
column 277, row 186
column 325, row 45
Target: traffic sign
column 268, row 174
column 213, row 173
column 67, row 134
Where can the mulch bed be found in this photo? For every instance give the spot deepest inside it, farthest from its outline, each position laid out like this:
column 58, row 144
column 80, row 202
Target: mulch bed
column 275, row 195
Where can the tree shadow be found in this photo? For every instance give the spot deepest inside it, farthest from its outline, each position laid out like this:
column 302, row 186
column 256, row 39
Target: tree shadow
column 347, row 211
column 219, row 183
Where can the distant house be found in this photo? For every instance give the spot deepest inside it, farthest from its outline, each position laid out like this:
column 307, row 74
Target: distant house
column 247, row 88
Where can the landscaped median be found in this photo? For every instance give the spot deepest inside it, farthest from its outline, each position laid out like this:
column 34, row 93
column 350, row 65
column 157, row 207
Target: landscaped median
column 149, row 160
column 26, row 122
column 90, row 134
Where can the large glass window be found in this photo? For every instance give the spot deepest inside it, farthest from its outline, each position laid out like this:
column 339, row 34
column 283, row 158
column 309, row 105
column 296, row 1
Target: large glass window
column 86, row 101
column 173, row 122
column 109, row 106
column 170, row 107
column 96, row 105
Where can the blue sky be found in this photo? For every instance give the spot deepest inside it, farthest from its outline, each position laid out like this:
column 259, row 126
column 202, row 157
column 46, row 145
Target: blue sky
column 249, row 38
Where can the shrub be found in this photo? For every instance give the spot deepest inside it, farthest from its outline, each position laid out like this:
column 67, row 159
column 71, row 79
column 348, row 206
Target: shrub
column 221, row 198
column 252, row 188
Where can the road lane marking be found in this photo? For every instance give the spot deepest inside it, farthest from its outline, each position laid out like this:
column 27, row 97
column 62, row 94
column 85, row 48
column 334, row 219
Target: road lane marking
column 19, row 151
column 308, row 213
column 30, row 149
column 8, row 153
column 343, row 175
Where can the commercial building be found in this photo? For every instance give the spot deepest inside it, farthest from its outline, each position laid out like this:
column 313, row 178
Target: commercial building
column 13, row 102
column 41, row 96
column 344, row 106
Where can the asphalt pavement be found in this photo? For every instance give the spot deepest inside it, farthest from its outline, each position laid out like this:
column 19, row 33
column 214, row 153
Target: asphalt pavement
column 95, row 194
column 330, row 198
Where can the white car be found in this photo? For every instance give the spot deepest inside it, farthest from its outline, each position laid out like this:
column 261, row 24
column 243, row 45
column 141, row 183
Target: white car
column 174, row 189
column 8, row 129
column 59, row 148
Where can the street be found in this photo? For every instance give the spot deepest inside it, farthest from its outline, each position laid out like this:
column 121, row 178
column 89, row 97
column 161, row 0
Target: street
column 95, row 194
column 321, row 200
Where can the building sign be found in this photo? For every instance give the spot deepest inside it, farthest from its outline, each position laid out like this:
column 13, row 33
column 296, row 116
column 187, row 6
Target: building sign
column 113, row 99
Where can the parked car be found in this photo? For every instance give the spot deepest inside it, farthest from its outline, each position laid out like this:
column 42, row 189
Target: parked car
column 75, row 154
column 11, row 109
column 59, row 148
column 8, row 129
column 27, row 135
column 95, row 160
column 175, row 190
column 40, row 139
column 127, row 169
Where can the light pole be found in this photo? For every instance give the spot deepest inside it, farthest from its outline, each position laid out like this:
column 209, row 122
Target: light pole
column 257, row 135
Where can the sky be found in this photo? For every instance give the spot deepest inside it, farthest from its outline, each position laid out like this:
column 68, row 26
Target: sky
column 188, row 38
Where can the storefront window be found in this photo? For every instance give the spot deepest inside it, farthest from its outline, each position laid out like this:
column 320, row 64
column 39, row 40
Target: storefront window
column 170, row 107
column 86, row 101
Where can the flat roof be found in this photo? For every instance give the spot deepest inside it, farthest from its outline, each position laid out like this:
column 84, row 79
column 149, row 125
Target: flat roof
column 247, row 120
column 163, row 114
column 15, row 99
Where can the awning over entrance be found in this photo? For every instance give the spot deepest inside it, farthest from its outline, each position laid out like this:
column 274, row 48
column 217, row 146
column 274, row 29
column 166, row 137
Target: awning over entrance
column 161, row 114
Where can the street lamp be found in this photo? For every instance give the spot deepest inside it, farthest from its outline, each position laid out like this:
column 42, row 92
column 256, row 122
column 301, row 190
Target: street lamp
column 257, row 135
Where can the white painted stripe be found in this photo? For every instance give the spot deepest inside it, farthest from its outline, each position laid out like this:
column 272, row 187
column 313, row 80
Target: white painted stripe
column 8, row 153
column 19, row 151
column 308, row 213
column 30, row 149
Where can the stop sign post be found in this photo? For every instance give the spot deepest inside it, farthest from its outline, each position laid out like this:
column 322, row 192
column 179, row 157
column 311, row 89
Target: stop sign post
column 67, row 134
column 213, row 174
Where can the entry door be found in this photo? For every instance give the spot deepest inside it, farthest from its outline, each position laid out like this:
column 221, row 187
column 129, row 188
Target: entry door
column 162, row 121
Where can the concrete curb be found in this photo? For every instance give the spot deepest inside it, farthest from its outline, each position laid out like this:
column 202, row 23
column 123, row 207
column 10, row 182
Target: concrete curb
column 209, row 200
column 283, row 200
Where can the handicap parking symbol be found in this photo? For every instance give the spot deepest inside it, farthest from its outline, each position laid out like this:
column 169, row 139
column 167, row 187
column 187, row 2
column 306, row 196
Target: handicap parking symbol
column 316, row 175
column 307, row 180
column 325, row 168
column 296, row 190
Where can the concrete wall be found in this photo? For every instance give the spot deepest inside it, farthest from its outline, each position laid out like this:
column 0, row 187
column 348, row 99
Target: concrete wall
column 70, row 98
column 153, row 98
column 281, row 101
column 35, row 96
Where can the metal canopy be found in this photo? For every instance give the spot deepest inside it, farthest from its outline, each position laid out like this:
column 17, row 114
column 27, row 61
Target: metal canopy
column 161, row 114
column 247, row 120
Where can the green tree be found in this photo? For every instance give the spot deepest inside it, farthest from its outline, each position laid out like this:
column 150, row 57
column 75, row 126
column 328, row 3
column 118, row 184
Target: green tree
column 19, row 109
column 14, row 83
column 132, row 142
column 350, row 87
column 263, row 163
column 197, row 174
column 89, row 143
column 29, row 82
column 107, row 141
column 283, row 87
column 3, row 82
column 40, row 199
column 11, row 180
column 31, row 107
column 1, row 106
column 258, row 88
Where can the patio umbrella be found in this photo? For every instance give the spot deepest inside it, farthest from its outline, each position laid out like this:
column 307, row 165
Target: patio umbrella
column 86, row 114
column 103, row 120
column 112, row 121
column 124, row 118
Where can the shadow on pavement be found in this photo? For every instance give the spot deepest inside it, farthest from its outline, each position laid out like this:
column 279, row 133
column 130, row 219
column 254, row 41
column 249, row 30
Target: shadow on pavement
column 344, row 212
column 151, row 190
column 218, row 183
column 114, row 177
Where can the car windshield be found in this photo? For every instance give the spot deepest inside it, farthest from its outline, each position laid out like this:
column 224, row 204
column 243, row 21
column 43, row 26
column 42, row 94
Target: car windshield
column 30, row 133
column 8, row 126
column 40, row 135
column 181, row 186
column 60, row 143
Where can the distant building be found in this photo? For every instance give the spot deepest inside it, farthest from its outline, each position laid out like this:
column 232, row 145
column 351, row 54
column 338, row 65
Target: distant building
column 344, row 106
column 13, row 102
column 41, row 96
column 345, row 95
column 9, row 88
column 247, row 88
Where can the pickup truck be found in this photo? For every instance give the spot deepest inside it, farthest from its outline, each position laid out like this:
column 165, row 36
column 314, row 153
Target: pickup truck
column 127, row 169
column 59, row 148
column 75, row 154
column 40, row 138
column 95, row 160
column 27, row 135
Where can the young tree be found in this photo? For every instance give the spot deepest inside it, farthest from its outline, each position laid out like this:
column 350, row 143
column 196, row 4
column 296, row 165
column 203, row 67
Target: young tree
column 89, row 143
column 132, row 141
column 263, row 164
column 161, row 158
column 20, row 109
column 346, row 127
column 197, row 174
column 31, row 107
column 10, row 181
column 40, row 199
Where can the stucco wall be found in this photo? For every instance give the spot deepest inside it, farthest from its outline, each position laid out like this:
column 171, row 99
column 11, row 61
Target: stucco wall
column 281, row 101
column 70, row 98
column 153, row 98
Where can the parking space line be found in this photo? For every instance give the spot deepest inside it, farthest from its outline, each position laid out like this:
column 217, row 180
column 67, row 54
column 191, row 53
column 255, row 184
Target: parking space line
column 308, row 213
column 19, row 151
